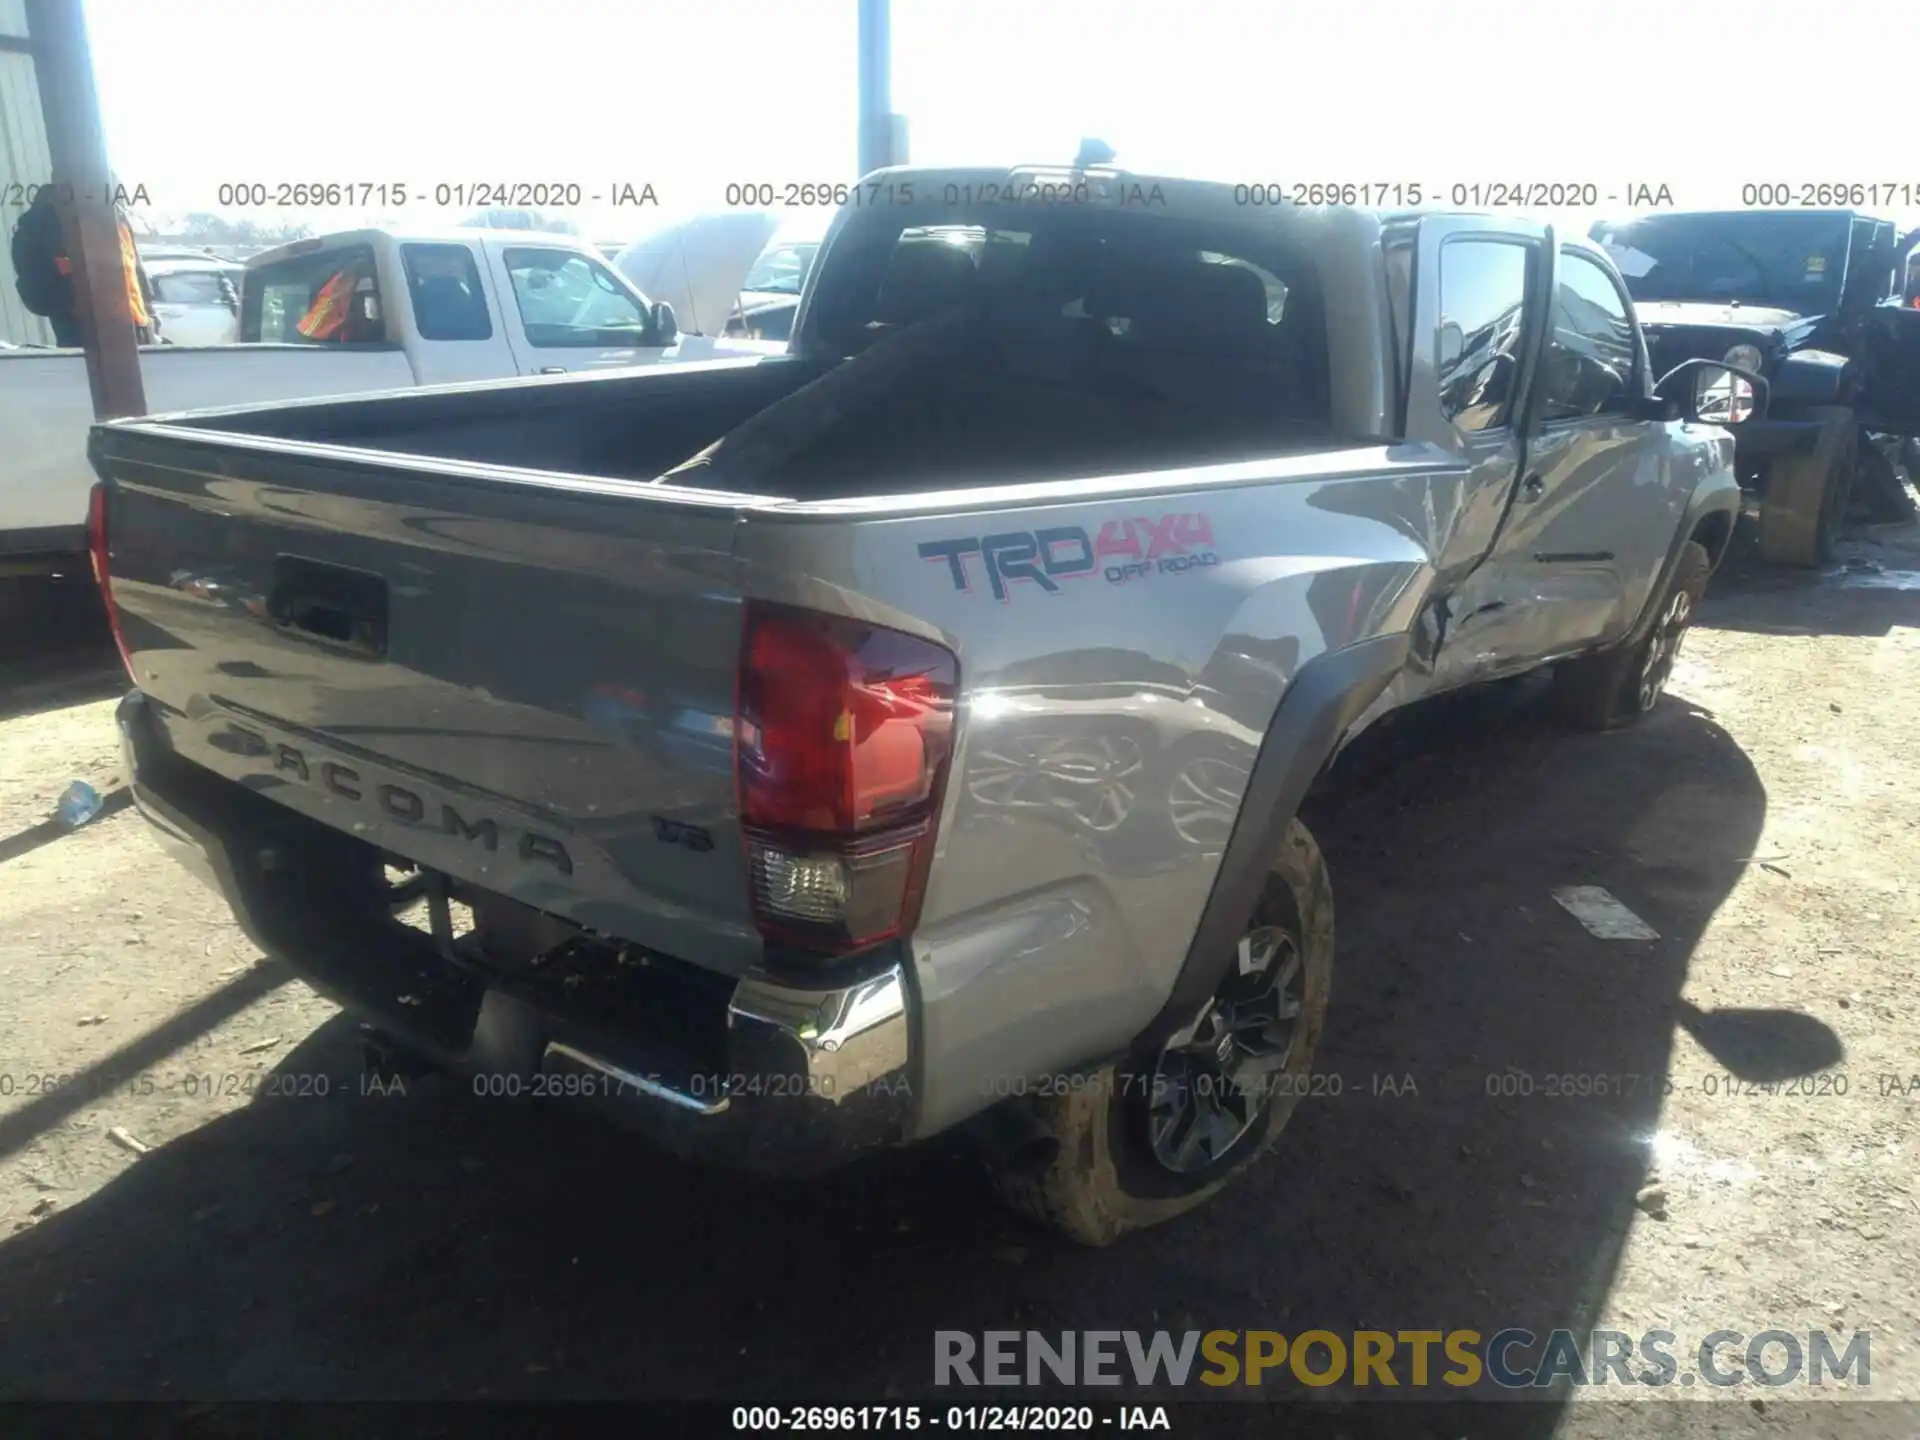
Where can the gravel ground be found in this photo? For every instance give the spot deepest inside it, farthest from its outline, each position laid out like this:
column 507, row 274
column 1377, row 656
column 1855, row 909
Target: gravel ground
column 1734, row 1148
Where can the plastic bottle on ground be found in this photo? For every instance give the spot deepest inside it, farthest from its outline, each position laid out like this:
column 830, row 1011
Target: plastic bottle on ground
column 79, row 804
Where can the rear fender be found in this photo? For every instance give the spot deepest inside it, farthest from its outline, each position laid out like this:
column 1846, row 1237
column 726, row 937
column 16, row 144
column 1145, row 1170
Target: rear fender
column 1327, row 696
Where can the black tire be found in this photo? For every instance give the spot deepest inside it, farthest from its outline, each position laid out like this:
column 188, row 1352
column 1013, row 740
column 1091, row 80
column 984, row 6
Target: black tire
column 1611, row 688
column 1104, row 1179
column 1806, row 496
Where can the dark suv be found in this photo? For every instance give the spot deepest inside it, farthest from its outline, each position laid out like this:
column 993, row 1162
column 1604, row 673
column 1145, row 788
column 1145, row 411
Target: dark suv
column 1812, row 301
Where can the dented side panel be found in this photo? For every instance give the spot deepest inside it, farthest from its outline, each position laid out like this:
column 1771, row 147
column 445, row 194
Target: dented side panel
column 1121, row 655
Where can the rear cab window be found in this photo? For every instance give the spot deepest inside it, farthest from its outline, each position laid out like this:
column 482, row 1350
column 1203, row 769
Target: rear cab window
column 1200, row 312
column 443, row 283
column 566, row 298
column 327, row 297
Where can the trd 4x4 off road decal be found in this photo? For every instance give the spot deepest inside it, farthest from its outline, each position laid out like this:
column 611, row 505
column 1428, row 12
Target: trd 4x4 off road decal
column 1124, row 551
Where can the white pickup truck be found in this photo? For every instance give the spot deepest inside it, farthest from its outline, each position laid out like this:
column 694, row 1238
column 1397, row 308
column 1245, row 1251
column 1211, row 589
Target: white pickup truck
column 419, row 310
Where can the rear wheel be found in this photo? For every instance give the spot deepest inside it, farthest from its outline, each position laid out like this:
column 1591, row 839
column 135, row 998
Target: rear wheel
column 1154, row 1136
column 1806, row 496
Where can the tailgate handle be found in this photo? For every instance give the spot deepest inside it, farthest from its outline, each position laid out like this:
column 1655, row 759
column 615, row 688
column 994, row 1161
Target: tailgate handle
column 331, row 604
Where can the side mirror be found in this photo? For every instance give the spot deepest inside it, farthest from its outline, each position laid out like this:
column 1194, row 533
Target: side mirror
column 666, row 329
column 1711, row 393
column 1721, row 397
column 1452, row 344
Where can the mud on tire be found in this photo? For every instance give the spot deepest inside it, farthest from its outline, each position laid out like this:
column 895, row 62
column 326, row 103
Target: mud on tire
column 1104, row 1179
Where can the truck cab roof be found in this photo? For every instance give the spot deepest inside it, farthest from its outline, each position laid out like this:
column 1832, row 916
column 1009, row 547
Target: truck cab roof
column 1195, row 196
column 450, row 234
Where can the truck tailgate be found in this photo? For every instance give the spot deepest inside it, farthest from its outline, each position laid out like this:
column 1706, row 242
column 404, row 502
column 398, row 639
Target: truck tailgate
column 525, row 682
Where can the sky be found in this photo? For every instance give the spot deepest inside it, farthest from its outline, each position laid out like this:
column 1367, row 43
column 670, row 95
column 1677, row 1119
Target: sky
column 692, row 95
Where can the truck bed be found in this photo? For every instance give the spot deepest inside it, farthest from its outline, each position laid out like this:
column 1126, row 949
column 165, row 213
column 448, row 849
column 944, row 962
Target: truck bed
column 906, row 417
column 481, row 596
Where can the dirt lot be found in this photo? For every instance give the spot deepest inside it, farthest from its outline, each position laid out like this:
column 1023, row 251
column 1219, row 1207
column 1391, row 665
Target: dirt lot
column 1750, row 1162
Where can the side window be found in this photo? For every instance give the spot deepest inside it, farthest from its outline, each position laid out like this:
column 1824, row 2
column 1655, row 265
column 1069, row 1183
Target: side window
column 1588, row 367
column 1399, row 258
column 444, row 284
column 1483, row 296
column 567, row 299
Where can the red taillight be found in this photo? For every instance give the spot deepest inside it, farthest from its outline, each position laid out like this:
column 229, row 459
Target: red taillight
column 842, row 736
column 97, row 550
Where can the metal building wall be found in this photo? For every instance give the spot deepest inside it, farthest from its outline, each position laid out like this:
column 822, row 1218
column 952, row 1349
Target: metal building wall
column 23, row 161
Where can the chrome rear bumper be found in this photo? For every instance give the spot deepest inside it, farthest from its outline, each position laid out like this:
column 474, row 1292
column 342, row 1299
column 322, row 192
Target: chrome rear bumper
column 809, row 1073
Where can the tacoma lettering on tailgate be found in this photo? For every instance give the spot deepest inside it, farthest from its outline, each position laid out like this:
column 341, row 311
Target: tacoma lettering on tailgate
column 397, row 802
column 1123, row 551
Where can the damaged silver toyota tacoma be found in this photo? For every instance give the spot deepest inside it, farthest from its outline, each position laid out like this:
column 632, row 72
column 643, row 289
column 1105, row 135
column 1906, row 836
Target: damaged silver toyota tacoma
column 803, row 754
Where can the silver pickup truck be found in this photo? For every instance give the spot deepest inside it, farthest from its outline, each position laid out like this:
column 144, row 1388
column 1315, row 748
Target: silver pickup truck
column 809, row 753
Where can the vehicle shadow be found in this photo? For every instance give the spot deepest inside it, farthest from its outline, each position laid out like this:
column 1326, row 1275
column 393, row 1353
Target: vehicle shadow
column 432, row 1244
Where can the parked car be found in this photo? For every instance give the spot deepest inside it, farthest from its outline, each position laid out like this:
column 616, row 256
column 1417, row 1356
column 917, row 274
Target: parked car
column 150, row 252
column 197, row 302
column 425, row 309
column 700, row 265
column 764, row 773
column 770, row 295
column 1811, row 300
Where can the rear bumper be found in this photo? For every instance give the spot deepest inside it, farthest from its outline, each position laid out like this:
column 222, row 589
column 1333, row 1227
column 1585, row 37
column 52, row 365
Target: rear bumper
column 803, row 1075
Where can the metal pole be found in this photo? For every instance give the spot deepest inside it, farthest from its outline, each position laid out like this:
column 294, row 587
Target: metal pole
column 882, row 133
column 63, row 68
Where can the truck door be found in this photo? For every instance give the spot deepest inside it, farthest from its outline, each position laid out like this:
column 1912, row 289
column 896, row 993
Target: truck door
column 1589, row 506
column 1596, row 513
column 449, row 330
column 564, row 310
column 1478, row 295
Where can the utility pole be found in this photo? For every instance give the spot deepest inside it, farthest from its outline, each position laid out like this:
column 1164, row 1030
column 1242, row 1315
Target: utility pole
column 63, row 69
column 883, row 134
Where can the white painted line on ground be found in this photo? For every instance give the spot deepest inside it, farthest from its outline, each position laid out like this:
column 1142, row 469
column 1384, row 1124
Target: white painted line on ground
column 1605, row 916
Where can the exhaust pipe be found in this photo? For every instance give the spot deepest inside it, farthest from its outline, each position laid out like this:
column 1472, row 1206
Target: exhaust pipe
column 1011, row 1138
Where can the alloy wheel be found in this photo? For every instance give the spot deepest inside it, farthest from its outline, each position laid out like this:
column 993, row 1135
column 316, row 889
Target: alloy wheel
column 1213, row 1080
column 1663, row 648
